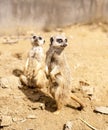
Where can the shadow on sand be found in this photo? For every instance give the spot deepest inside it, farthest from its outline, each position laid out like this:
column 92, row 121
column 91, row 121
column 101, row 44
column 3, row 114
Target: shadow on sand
column 37, row 95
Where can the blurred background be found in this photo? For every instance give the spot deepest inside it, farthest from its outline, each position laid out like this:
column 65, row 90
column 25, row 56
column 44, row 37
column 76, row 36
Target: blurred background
column 42, row 14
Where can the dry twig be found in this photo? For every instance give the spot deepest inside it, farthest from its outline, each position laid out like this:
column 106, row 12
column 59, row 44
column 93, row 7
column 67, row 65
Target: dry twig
column 90, row 126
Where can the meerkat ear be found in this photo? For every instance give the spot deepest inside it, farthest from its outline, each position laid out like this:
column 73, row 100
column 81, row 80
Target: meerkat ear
column 51, row 40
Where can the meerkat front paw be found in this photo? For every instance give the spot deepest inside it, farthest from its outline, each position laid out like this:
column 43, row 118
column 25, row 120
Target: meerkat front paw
column 46, row 70
column 52, row 76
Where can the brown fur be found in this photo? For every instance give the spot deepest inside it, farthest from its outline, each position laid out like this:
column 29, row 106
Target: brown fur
column 59, row 72
column 34, row 70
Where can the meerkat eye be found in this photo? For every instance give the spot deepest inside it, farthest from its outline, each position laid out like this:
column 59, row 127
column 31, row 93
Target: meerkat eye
column 34, row 37
column 65, row 40
column 40, row 38
column 59, row 40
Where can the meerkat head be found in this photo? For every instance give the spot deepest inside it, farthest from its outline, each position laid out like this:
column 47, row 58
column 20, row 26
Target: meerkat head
column 37, row 40
column 58, row 41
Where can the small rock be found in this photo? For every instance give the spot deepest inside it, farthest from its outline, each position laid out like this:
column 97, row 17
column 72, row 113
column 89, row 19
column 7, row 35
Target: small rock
column 23, row 120
column 9, row 82
column 4, row 83
column 15, row 119
column 42, row 106
column 39, row 106
column 68, row 125
column 33, row 107
column 101, row 109
column 6, row 121
column 89, row 90
column 31, row 117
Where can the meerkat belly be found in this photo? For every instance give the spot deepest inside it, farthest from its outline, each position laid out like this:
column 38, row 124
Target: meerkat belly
column 56, row 61
column 63, row 74
column 32, row 68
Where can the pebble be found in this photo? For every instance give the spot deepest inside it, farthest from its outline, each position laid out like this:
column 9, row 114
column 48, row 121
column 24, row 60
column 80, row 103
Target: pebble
column 31, row 117
column 6, row 121
column 68, row 125
column 9, row 82
column 89, row 90
column 101, row 109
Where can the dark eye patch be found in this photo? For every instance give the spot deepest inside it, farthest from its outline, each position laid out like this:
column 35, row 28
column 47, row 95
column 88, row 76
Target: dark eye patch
column 34, row 37
column 59, row 40
column 40, row 38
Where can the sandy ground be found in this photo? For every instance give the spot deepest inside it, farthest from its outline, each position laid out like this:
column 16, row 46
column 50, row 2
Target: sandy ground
column 87, row 55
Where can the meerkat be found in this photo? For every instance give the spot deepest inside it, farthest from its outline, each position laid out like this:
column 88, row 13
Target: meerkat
column 58, row 72
column 34, row 71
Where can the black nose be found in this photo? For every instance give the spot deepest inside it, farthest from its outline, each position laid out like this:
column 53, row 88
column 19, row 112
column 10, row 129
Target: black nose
column 64, row 45
column 35, row 40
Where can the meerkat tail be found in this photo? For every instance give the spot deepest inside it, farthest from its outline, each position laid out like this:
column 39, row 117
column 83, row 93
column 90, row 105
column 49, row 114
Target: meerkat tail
column 75, row 98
